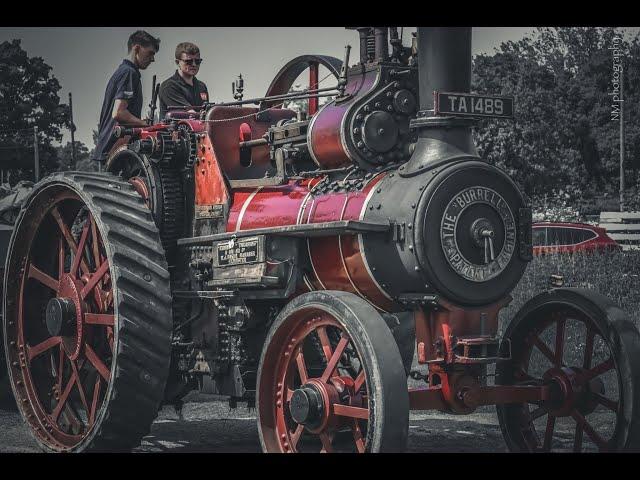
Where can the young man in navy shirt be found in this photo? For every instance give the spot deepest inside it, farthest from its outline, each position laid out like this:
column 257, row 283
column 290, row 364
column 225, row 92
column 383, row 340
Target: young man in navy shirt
column 122, row 103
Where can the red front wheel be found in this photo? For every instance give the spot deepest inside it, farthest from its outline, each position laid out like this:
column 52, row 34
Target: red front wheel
column 331, row 379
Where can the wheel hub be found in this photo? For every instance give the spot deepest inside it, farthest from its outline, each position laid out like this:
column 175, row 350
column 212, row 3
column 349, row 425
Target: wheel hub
column 71, row 313
column 569, row 391
column 61, row 317
column 306, row 406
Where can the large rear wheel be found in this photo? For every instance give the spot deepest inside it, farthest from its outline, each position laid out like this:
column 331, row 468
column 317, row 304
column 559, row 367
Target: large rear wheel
column 87, row 323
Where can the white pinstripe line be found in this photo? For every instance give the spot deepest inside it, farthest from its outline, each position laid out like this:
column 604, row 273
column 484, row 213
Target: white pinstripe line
column 307, row 282
column 244, row 207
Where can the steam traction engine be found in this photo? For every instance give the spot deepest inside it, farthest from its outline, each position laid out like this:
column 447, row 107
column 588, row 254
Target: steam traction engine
column 299, row 264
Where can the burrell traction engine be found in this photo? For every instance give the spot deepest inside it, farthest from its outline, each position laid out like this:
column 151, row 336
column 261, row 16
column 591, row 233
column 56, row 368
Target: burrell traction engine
column 303, row 264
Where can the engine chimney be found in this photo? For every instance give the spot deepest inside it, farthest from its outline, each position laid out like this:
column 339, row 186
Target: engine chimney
column 444, row 64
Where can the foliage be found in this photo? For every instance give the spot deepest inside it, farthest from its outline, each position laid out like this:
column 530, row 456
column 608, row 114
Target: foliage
column 562, row 134
column 83, row 158
column 28, row 98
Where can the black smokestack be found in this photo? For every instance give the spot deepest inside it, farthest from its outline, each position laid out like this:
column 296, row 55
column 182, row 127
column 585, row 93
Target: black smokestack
column 444, row 64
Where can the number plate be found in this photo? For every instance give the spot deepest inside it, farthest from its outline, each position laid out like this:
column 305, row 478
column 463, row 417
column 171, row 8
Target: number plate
column 468, row 105
column 240, row 251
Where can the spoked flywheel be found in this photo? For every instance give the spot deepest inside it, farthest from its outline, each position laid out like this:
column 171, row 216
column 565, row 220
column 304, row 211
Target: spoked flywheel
column 354, row 398
column 587, row 351
column 87, row 324
column 160, row 186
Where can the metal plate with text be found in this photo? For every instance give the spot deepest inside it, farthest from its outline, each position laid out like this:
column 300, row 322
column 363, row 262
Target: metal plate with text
column 471, row 105
column 241, row 251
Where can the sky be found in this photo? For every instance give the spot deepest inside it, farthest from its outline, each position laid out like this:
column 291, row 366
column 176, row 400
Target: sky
column 83, row 59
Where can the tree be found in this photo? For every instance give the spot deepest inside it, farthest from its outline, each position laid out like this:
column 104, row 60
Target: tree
column 83, row 158
column 28, row 98
column 562, row 134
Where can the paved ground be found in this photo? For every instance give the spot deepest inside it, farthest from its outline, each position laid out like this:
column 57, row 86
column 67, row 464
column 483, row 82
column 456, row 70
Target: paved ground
column 209, row 425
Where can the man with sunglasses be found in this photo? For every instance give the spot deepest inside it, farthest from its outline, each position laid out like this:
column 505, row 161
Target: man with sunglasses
column 183, row 89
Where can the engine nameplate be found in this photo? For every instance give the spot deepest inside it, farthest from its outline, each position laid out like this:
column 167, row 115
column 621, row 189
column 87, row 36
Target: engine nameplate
column 240, row 251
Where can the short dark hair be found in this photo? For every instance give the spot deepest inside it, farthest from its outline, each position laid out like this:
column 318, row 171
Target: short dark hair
column 188, row 48
column 143, row 39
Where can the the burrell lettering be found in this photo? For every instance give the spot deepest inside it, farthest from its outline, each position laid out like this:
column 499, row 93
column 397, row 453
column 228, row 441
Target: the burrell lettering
column 450, row 236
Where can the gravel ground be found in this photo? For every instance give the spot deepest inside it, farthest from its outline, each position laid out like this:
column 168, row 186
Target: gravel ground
column 209, row 425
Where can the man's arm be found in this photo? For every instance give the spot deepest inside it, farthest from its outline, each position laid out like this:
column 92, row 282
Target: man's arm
column 124, row 116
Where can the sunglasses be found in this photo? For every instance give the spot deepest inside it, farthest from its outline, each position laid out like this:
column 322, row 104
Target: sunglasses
column 192, row 61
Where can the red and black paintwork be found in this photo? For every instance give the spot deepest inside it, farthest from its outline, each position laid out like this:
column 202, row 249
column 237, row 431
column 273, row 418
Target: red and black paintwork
column 311, row 248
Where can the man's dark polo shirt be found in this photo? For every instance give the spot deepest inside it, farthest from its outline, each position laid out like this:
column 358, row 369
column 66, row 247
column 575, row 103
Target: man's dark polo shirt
column 176, row 92
column 124, row 84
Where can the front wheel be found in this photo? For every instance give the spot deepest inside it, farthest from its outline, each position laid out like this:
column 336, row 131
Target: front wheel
column 350, row 396
column 588, row 351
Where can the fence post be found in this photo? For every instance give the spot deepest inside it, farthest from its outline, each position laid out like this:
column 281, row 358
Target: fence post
column 36, row 160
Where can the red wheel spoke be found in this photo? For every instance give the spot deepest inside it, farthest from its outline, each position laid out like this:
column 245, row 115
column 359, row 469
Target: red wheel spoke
column 94, row 241
column 606, row 402
column 108, row 300
column 66, row 233
column 349, row 411
column 597, row 439
column 42, row 347
column 60, row 258
column 95, row 278
column 43, row 278
column 538, row 412
column 110, row 337
column 302, row 367
column 335, row 358
column 544, row 349
column 324, row 341
column 63, row 398
column 559, row 342
column 359, row 381
column 83, row 398
column 588, row 350
column 326, row 442
column 548, row 434
column 80, row 251
column 295, row 436
column 60, row 367
column 357, row 436
column 94, row 402
column 600, row 369
column 99, row 319
column 289, row 394
column 577, row 439
column 96, row 362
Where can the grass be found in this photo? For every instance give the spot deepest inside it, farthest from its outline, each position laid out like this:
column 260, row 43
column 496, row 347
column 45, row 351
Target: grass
column 613, row 274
